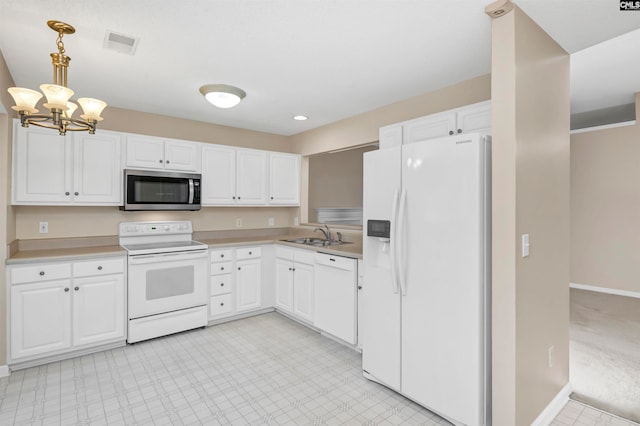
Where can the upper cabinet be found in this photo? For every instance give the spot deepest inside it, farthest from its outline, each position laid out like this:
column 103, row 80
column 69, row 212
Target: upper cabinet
column 473, row 118
column 77, row 169
column 149, row 152
column 284, row 179
column 240, row 176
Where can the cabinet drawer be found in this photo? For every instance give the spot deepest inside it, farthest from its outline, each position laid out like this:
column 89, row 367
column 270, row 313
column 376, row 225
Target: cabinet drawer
column 304, row 256
column 284, row 253
column 98, row 267
column 221, row 255
column 219, row 305
column 44, row 272
column 338, row 262
column 220, row 284
column 248, row 253
column 221, row 268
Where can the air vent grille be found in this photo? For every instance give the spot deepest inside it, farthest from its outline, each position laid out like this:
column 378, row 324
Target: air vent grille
column 121, row 43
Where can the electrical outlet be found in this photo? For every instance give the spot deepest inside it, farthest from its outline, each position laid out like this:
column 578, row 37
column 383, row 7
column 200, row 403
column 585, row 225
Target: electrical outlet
column 295, row 221
column 239, row 222
column 44, row 227
column 551, row 354
column 272, row 221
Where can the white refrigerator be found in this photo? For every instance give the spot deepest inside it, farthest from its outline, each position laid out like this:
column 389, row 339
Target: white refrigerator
column 427, row 259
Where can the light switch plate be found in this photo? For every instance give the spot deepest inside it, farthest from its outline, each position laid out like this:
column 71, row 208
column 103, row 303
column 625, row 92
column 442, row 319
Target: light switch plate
column 44, row 227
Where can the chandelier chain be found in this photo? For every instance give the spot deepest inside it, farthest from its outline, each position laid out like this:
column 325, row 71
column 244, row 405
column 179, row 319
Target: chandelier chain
column 60, row 43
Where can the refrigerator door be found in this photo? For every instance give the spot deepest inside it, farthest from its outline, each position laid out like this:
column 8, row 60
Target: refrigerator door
column 379, row 330
column 443, row 264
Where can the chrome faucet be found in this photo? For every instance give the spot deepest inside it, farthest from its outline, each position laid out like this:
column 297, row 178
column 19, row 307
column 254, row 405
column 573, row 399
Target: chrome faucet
column 327, row 233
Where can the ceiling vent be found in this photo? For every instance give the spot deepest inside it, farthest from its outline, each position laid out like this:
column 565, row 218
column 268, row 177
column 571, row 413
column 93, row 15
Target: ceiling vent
column 120, row 42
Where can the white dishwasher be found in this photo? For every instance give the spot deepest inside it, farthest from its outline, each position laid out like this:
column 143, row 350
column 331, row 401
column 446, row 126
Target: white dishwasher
column 336, row 296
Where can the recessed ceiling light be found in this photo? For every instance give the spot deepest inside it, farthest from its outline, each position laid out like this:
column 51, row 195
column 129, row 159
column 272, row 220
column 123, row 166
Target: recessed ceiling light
column 300, row 117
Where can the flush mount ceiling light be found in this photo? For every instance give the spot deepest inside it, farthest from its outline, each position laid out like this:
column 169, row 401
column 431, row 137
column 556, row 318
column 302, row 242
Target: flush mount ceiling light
column 58, row 95
column 222, row 95
column 300, row 117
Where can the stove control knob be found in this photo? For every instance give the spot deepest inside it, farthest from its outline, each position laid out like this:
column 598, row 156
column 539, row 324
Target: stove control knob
column 166, row 228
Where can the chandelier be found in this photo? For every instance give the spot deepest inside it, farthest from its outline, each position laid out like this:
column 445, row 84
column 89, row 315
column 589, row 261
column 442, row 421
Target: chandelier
column 58, row 95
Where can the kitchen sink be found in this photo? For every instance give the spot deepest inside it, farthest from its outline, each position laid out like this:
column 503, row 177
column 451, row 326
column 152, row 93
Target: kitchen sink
column 316, row 242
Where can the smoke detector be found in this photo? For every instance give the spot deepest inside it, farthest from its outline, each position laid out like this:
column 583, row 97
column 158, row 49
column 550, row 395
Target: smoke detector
column 121, row 43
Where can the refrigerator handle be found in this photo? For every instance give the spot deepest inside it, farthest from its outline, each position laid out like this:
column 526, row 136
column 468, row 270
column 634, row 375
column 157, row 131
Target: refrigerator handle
column 400, row 249
column 393, row 236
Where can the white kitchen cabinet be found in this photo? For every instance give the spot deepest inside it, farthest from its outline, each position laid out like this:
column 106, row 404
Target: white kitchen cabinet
column 77, row 169
column 41, row 165
column 248, row 285
column 97, row 169
column 251, row 177
column 284, row 179
column 295, row 282
column 336, row 296
column 474, row 118
column 221, row 283
column 233, row 176
column 40, row 318
column 148, row 152
column 60, row 307
column 98, row 309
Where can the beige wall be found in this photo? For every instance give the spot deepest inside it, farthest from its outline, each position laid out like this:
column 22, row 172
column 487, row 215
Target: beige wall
column 530, row 98
column 335, row 180
column 605, row 206
column 363, row 128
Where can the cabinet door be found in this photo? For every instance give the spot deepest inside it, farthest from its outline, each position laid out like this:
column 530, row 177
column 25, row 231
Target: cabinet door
column 181, row 155
column 390, row 136
column 42, row 166
column 475, row 118
column 284, row 178
column 248, row 285
column 40, row 318
column 98, row 309
column 251, row 177
column 430, row 127
column 145, row 151
column 284, row 285
column 97, row 172
column 303, row 291
column 218, row 175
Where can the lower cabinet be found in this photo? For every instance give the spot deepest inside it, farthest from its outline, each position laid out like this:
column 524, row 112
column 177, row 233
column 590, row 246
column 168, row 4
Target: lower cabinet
column 235, row 284
column 294, row 282
column 54, row 310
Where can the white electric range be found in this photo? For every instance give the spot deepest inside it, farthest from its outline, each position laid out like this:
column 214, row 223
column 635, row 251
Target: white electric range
column 167, row 278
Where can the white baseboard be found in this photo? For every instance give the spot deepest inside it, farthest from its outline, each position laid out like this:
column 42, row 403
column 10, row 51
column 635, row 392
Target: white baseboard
column 4, row 371
column 554, row 408
column 605, row 290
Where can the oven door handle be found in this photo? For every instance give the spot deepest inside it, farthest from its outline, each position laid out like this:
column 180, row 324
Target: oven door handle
column 166, row 257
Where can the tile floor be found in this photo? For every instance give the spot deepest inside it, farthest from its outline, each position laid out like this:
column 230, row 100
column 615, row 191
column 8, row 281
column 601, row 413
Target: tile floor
column 261, row 370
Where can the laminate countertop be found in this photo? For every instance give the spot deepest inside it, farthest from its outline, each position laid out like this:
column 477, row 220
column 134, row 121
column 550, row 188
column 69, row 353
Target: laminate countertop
column 352, row 250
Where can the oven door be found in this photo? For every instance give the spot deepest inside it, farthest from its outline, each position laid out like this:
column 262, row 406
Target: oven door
column 166, row 282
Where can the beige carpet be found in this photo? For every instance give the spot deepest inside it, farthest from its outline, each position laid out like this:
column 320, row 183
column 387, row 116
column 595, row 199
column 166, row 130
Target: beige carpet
column 605, row 352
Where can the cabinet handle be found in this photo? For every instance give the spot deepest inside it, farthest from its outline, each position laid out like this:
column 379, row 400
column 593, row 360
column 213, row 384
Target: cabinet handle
column 99, row 268
column 221, row 284
column 290, row 269
column 168, row 161
column 450, row 132
column 250, row 253
column 66, row 289
column 76, row 193
column 67, row 193
column 222, row 304
column 359, row 287
column 160, row 161
column 238, row 268
column 293, row 269
column 238, row 197
column 272, row 198
column 222, row 268
column 234, row 197
column 41, row 273
column 459, row 131
column 222, row 255
column 76, row 288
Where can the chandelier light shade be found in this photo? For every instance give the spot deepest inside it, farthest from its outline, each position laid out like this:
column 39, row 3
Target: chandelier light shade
column 222, row 95
column 61, row 110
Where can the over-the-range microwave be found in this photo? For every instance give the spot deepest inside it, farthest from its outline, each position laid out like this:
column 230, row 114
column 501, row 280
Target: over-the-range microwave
column 160, row 190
